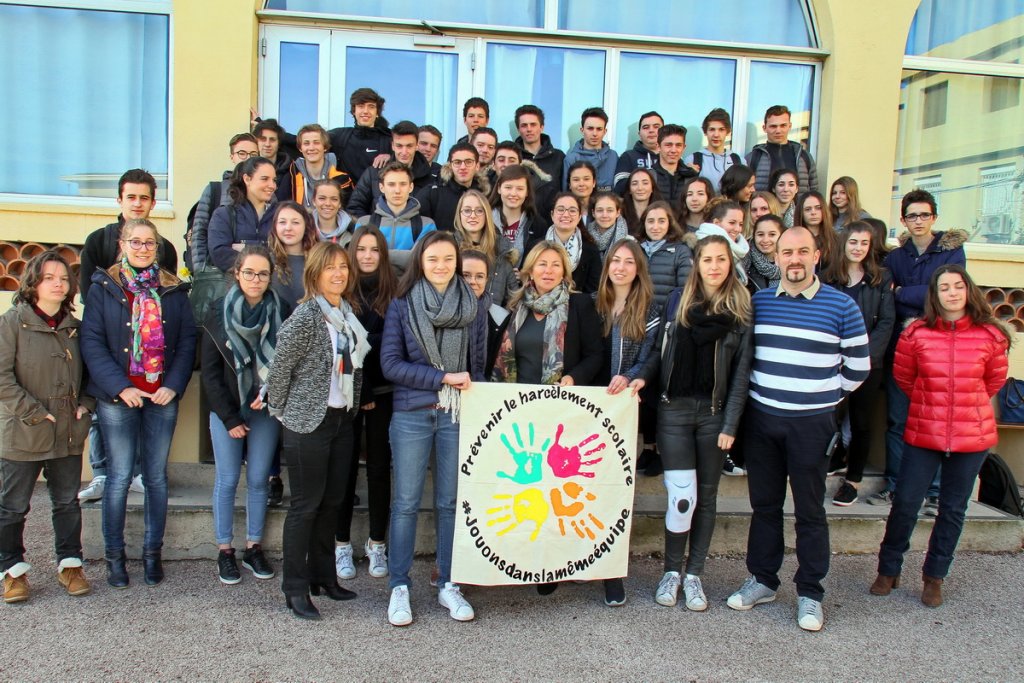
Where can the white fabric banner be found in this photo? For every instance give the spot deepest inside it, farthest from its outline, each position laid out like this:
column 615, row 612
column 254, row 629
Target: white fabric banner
column 545, row 484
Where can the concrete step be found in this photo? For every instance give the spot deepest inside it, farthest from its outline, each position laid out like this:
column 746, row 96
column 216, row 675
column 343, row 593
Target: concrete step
column 854, row 529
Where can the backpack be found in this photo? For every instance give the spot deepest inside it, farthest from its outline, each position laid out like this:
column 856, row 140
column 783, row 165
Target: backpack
column 698, row 159
column 416, row 223
column 998, row 487
column 191, row 219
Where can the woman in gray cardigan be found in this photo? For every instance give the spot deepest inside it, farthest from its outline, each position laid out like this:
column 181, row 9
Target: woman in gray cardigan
column 313, row 389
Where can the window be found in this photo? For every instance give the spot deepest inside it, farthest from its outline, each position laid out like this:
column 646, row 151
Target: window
column 1003, row 93
column 778, row 83
column 935, row 105
column 966, row 29
column 525, row 13
column 67, row 89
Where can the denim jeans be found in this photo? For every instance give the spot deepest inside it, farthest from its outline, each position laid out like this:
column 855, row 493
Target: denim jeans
column 257, row 448
column 98, row 452
column 959, row 471
column 125, row 430
column 318, row 465
column 17, row 480
column 413, row 434
column 897, row 407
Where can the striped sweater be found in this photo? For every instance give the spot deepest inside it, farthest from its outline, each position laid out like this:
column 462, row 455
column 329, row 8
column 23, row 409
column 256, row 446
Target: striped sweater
column 809, row 351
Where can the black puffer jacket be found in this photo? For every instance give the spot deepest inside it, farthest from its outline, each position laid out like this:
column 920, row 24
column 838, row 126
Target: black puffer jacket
column 670, row 266
column 440, row 200
column 548, row 158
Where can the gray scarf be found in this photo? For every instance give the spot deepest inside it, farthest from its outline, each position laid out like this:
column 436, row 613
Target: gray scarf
column 352, row 346
column 440, row 322
column 252, row 336
column 605, row 239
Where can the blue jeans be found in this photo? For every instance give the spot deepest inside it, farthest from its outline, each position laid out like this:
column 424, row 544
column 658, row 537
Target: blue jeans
column 413, row 434
column 257, row 448
column 124, row 431
column 98, row 453
column 959, row 471
column 897, row 407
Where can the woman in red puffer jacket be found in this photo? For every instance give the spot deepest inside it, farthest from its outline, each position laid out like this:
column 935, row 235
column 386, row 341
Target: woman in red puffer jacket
column 950, row 364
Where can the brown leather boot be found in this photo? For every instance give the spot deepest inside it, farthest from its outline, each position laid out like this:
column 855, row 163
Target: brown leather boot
column 883, row 585
column 932, row 593
column 15, row 588
column 73, row 579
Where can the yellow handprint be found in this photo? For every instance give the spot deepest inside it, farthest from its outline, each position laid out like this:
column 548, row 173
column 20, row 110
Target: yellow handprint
column 526, row 506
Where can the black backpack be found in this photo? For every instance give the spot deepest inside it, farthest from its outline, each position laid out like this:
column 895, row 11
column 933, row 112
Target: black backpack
column 191, row 218
column 416, row 223
column 998, row 487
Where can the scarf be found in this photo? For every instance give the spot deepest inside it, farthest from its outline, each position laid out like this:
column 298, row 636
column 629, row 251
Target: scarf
column 693, row 369
column 147, row 347
column 574, row 247
column 440, row 323
column 252, row 336
column 606, row 238
column 352, row 346
column 739, row 247
column 765, row 267
column 344, row 222
column 651, row 247
column 555, row 307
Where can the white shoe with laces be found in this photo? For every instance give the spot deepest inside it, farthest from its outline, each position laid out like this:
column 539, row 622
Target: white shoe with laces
column 668, row 590
column 137, row 486
column 377, row 554
column 343, row 564
column 94, row 491
column 696, row 601
column 451, row 598
column 809, row 615
column 399, row 610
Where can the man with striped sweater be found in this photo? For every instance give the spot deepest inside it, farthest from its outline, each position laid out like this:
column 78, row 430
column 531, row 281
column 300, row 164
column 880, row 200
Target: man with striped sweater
column 810, row 351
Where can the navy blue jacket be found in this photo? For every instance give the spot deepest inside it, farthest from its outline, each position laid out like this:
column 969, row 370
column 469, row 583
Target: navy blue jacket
column 405, row 363
column 106, row 335
column 249, row 229
column 912, row 271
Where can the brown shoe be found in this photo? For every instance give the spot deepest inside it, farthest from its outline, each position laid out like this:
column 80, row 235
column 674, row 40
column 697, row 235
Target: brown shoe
column 73, row 579
column 15, row 588
column 932, row 593
column 883, row 585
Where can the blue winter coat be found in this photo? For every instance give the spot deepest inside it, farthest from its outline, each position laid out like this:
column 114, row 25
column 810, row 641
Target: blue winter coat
column 604, row 160
column 249, row 229
column 106, row 335
column 912, row 271
column 404, row 362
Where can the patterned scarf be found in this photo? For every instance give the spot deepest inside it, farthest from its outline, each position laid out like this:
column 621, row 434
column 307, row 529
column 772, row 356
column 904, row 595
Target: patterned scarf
column 555, row 307
column 252, row 334
column 606, row 238
column 440, row 322
column 765, row 267
column 147, row 349
column 574, row 247
column 352, row 346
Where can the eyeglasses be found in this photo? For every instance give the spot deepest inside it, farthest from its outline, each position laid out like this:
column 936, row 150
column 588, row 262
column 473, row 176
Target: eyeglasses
column 250, row 275
column 462, row 162
column 915, row 217
column 475, row 277
column 571, row 210
column 468, row 212
column 139, row 245
column 242, row 154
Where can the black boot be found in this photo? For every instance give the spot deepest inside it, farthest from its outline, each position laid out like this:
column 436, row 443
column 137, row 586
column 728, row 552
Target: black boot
column 302, row 607
column 117, row 573
column 154, row 570
column 331, row 590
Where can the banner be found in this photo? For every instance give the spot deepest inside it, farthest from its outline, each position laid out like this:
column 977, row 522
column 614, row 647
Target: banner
column 545, row 484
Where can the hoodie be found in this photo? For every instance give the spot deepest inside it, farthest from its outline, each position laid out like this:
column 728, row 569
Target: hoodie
column 604, row 160
column 397, row 228
column 300, row 185
column 364, row 197
column 638, row 157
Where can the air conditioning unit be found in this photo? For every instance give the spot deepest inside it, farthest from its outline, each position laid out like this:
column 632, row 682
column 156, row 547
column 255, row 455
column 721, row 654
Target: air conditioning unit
column 995, row 224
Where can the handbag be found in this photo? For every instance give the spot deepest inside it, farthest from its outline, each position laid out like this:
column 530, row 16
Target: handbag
column 208, row 285
column 1011, row 402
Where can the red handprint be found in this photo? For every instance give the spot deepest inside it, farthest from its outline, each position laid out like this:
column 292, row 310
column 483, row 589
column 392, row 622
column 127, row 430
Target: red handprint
column 567, row 462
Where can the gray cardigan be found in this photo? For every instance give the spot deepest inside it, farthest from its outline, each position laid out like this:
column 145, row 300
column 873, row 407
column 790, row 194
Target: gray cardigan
column 300, row 374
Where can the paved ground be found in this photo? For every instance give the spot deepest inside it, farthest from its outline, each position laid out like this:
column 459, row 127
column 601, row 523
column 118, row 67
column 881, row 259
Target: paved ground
column 192, row 628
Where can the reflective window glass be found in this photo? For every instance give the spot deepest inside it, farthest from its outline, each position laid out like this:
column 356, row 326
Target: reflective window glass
column 297, row 98
column 768, row 22
column 527, row 13
column 773, row 83
column 971, row 160
column 653, row 82
column 111, row 89
column 989, row 31
column 562, row 82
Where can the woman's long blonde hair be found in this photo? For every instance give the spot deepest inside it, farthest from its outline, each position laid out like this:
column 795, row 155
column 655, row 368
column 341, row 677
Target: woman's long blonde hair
column 489, row 234
column 633, row 319
column 731, row 297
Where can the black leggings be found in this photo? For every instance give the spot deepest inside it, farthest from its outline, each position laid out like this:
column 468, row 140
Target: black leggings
column 375, row 423
column 861, row 406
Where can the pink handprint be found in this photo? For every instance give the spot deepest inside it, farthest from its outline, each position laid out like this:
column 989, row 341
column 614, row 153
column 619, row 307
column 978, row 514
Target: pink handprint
column 567, row 462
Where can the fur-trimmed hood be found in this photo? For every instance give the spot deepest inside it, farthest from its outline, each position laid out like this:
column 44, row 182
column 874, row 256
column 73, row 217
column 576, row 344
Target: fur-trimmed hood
column 951, row 239
column 168, row 279
column 480, row 181
column 536, row 170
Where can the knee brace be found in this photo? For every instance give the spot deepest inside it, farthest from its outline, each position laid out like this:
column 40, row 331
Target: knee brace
column 682, row 498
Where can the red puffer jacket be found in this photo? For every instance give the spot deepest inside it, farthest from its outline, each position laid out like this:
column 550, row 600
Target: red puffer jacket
column 950, row 372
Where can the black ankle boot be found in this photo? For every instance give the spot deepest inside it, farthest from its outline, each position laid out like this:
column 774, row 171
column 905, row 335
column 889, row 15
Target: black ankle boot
column 152, row 567
column 331, row 590
column 117, row 573
column 302, row 607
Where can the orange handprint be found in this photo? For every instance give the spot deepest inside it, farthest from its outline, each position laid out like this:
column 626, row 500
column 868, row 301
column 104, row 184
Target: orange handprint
column 577, row 496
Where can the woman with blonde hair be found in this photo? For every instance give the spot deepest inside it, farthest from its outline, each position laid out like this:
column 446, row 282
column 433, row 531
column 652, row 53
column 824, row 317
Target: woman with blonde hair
column 474, row 229
column 702, row 365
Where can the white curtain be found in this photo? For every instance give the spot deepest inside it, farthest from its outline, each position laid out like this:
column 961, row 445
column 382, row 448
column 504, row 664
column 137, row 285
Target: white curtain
column 510, row 78
column 439, row 93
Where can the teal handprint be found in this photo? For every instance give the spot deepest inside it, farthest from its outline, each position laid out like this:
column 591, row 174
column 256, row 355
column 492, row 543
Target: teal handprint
column 526, row 456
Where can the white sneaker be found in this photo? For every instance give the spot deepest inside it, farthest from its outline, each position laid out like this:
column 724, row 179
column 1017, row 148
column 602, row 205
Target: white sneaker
column 668, row 590
column 696, row 601
column 399, row 610
column 751, row 593
column 451, row 597
column 137, row 486
column 343, row 564
column 377, row 554
column 809, row 614
column 94, row 491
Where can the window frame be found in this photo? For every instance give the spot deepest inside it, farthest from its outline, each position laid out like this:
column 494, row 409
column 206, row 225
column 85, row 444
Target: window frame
column 46, row 202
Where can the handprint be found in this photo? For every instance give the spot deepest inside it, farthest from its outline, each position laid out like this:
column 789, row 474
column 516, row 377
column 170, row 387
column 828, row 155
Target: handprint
column 572, row 510
column 526, row 506
column 566, row 462
column 527, row 459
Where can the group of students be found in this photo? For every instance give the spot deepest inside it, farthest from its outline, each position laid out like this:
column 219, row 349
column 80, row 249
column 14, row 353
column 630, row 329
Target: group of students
column 336, row 328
